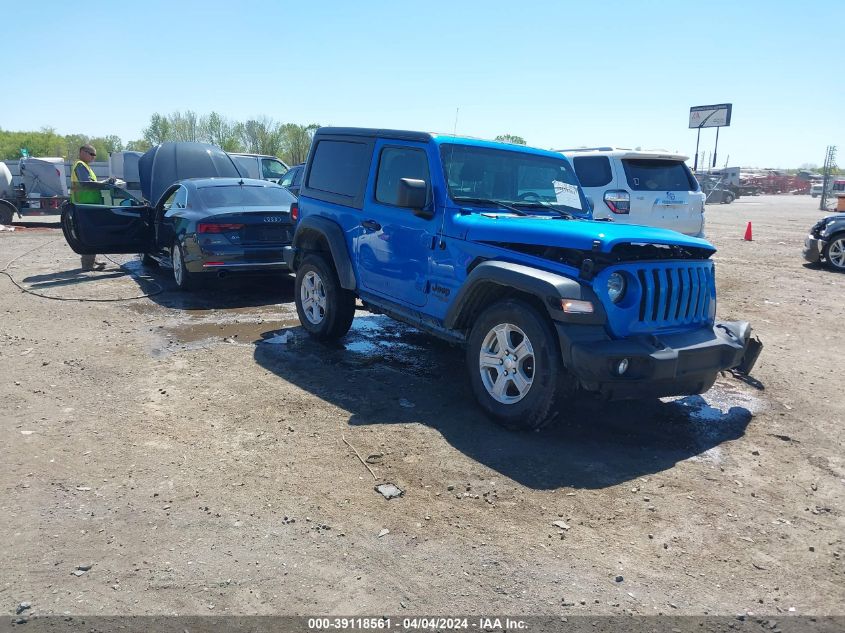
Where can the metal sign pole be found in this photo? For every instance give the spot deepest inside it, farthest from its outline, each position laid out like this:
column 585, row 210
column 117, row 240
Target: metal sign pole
column 716, row 147
column 697, row 139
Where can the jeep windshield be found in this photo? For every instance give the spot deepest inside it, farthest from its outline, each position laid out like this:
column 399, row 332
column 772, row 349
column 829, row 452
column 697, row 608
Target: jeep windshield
column 514, row 180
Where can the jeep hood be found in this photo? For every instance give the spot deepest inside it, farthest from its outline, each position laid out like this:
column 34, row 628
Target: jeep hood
column 167, row 163
column 573, row 234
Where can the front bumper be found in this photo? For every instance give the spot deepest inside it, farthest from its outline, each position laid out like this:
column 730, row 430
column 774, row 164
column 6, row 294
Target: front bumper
column 684, row 363
column 813, row 248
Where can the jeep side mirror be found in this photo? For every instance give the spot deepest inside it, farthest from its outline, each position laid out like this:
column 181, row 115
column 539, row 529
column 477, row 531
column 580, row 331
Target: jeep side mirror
column 413, row 195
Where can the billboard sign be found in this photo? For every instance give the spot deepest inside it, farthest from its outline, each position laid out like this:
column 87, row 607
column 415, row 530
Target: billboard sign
column 718, row 115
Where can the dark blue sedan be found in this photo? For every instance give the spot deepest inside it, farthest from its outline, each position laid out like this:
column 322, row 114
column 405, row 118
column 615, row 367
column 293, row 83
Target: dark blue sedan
column 200, row 226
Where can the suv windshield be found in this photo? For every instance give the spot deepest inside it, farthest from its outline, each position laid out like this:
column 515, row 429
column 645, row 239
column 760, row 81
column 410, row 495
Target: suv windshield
column 514, row 178
column 645, row 174
column 245, row 196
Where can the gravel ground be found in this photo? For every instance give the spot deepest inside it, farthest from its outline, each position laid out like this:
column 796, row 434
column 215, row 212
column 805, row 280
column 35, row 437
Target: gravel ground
column 199, row 464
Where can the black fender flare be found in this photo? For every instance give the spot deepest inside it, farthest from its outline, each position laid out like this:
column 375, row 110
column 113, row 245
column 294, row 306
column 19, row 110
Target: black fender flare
column 309, row 231
column 549, row 288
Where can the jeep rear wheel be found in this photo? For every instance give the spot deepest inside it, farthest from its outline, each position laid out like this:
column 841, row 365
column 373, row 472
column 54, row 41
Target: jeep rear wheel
column 514, row 365
column 325, row 309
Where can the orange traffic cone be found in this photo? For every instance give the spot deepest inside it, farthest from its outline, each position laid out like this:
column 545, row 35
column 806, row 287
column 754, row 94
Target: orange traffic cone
column 747, row 237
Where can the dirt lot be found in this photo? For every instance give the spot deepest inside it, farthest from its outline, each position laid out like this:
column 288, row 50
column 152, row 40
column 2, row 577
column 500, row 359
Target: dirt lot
column 199, row 469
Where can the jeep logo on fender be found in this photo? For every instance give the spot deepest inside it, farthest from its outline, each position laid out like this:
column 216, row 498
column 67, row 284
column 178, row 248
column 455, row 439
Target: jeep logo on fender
column 442, row 292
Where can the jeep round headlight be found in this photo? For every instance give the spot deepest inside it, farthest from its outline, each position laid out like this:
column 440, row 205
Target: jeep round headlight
column 616, row 287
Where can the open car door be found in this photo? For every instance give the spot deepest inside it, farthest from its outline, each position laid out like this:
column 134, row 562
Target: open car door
column 105, row 219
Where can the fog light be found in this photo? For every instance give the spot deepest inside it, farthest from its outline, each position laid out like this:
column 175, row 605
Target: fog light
column 621, row 366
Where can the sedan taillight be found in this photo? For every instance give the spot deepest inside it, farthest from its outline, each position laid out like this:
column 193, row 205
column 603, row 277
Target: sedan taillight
column 294, row 212
column 207, row 227
column 618, row 201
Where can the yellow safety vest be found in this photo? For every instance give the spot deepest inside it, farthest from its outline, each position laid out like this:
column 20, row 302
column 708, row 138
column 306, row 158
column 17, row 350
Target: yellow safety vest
column 79, row 194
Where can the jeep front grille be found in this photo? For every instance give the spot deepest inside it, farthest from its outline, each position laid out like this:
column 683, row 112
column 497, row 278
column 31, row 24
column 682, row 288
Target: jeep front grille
column 675, row 294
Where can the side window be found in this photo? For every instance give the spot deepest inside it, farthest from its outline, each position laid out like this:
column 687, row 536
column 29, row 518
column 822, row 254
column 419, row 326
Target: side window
column 339, row 167
column 288, row 179
column 297, row 177
column 593, row 171
column 247, row 166
column 165, row 206
column 272, row 169
column 180, row 200
column 396, row 163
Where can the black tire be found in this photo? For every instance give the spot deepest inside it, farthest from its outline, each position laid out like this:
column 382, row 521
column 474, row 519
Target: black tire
column 148, row 260
column 534, row 407
column 185, row 279
column 325, row 309
column 833, row 252
column 729, row 198
column 7, row 212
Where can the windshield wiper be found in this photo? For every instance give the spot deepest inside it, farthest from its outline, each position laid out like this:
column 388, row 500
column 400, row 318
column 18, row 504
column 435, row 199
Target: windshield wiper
column 547, row 205
column 497, row 203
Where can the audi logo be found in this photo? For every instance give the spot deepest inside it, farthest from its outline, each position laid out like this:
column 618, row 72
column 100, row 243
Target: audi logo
column 272, row 218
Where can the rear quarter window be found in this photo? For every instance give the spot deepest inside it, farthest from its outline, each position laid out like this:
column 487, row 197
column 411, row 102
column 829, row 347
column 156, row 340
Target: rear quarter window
column 339, row 167
column 593, row 171
column 247, row 166
column 645, row 174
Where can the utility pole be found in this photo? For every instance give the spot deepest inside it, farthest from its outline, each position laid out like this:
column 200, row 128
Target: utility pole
column 829, row 166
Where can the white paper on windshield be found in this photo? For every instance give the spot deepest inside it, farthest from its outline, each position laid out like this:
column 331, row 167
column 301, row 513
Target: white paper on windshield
column 567, row 194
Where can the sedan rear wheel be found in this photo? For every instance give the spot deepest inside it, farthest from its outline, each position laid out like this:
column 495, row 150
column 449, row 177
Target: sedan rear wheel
column 185, row 280
column 834, row 252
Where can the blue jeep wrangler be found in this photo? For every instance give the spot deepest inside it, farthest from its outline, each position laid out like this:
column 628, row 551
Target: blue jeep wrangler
column 492, row 246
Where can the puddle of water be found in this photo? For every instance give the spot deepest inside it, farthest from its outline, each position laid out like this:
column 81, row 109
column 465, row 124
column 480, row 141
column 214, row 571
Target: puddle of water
column 721, row 413
column 240, row 331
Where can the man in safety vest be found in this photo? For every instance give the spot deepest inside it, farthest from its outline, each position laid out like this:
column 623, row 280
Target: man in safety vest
column 82, row 194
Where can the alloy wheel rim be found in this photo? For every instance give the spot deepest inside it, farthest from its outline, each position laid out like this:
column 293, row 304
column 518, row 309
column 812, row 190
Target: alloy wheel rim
column 506, row 363
column 312, row 295
column 836, row 253
column 177, row 265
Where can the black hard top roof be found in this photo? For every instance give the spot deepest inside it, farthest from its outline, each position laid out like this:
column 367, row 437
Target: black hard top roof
column 403, row 135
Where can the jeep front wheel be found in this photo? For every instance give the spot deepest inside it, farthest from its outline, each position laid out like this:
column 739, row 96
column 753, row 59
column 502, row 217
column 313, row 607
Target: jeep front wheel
column 514, row 365
column 325, row 309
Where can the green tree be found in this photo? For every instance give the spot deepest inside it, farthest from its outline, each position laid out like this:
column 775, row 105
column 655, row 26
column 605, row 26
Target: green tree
column 510, row 138
column 296, row 141
column 261, row 136
column 184, row 127
column 219, row 131
column 158, row 131
column 141, row 145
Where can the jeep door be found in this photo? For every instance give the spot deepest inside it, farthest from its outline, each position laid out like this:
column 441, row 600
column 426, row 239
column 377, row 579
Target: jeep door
column 110, row 221
column 394, row 246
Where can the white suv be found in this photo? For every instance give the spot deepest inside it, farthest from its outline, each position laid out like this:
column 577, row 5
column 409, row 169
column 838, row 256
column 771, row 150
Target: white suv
column 648, row 187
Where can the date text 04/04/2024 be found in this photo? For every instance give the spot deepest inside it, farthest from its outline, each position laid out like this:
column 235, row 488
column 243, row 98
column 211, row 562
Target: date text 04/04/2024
column 416, row 623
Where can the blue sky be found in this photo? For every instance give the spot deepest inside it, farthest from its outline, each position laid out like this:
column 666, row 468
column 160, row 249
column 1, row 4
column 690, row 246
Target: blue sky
column 559, row 74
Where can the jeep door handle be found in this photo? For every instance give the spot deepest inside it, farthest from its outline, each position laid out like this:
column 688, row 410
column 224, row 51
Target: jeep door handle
column 371, row 225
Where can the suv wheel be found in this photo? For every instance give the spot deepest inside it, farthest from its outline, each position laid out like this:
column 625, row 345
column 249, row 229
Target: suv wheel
column 514, row 365
column 325, row 309
column 834, row 252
